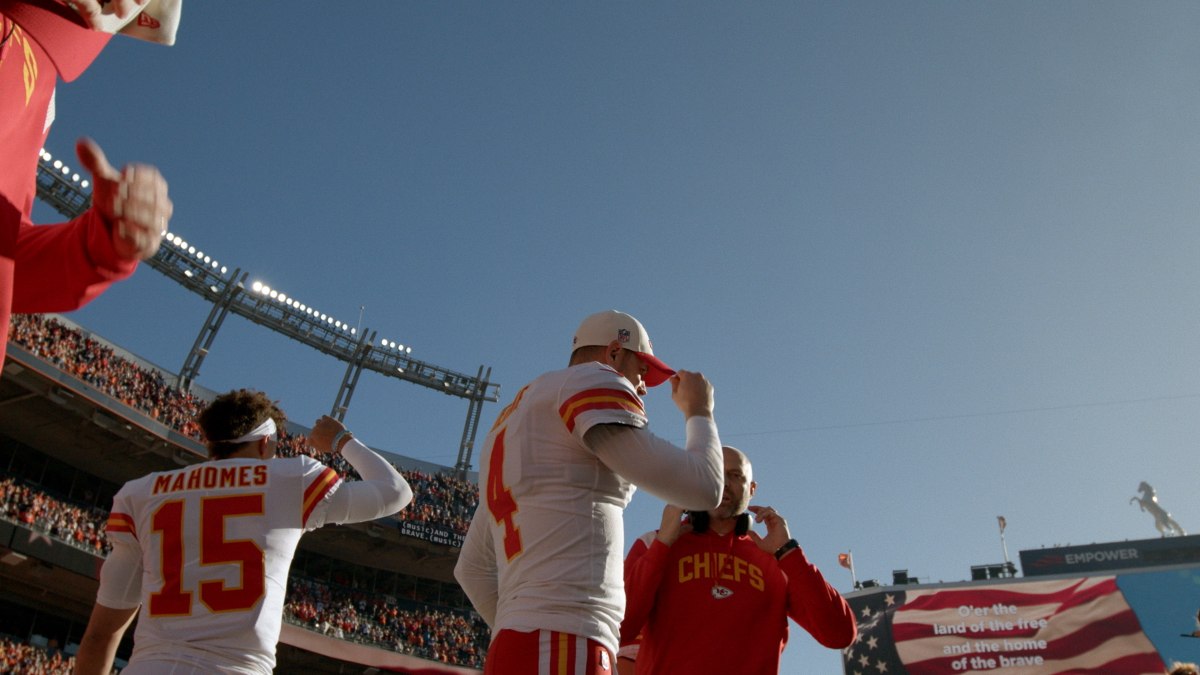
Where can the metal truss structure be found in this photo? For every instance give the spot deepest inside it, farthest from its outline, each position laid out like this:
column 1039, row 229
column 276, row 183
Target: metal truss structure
column 202, row 275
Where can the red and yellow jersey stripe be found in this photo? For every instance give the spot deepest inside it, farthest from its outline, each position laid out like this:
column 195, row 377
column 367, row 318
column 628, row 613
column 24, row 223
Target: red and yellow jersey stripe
column 599, row 399
column 317, row 490
column 120, row 522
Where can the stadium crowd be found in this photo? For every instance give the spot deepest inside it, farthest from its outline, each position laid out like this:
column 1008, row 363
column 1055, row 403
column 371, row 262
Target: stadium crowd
column 439, row 498
column 439, row 635
column 97, row 364
column 20, row 658
column 35, row 508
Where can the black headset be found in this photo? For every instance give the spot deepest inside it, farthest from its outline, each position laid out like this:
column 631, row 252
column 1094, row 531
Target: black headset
column 699, row 520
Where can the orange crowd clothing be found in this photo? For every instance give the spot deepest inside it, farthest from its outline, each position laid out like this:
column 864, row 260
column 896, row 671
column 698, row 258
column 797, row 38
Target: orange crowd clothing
column 720, row 604
column 46, row 268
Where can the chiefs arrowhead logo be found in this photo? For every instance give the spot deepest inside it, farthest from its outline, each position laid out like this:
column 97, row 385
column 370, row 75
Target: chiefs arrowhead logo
column 147, row 21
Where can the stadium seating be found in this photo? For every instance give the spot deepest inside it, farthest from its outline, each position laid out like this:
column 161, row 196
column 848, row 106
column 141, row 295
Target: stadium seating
column 439, row 498
column 372, row 618
column 33, row 507
column 20, row 658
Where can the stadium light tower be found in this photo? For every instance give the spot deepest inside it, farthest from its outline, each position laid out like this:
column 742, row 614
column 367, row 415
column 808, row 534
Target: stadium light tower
column 350, row 381
column 184, row 264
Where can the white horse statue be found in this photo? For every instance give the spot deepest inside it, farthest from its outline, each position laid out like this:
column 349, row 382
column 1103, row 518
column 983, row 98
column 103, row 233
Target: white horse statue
column 1166, row 525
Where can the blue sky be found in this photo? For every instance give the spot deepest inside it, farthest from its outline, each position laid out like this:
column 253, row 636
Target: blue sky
column 848, row 216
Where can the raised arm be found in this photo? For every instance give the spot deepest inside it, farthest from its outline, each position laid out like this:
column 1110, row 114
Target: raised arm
column 691, row 477
column 63, row 267
column 382, row 490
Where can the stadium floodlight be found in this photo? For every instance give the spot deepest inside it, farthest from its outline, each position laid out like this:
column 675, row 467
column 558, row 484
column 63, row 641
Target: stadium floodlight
column 191, row 249
column 183, row 244
column 256, row 286
column 408, row 351
column 401, row 348
column 58, row 163
column 329, row 320
column 274, row 294
column 207, row 259
column 353, row 331
column 338, row 324
column 84, row 183
column 266, row 290
column 66, row 170
column 75, row 177
column 400, row 370
column 187, row 273
column 214, row 264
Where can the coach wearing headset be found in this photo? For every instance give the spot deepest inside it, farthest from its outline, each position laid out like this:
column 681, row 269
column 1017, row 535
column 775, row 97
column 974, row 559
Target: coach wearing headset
column 696, row 586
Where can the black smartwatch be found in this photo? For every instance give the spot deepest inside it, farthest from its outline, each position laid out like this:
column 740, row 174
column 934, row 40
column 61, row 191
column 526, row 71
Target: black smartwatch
column 791, row 545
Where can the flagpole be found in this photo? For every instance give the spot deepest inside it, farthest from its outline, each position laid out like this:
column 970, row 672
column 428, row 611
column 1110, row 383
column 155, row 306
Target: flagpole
column 853, row 577
column 1002, row 544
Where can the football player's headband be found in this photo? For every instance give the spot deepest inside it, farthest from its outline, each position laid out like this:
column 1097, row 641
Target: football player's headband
column 265, row 430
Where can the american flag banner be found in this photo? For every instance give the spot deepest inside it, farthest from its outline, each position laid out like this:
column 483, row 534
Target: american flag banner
column 1075, row 625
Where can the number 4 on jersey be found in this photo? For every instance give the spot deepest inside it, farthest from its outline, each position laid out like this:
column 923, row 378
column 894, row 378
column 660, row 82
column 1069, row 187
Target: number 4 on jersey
column 500, row 501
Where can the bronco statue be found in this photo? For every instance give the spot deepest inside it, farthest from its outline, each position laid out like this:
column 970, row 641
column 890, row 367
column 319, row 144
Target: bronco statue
column 1166, row 525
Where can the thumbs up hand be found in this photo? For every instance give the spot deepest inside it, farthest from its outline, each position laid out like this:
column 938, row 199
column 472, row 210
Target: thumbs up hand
column 132, row 201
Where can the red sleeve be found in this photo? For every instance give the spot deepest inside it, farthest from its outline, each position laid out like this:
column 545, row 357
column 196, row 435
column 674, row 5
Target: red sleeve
column 644, row 568
column 815, row 605
column 59, row 268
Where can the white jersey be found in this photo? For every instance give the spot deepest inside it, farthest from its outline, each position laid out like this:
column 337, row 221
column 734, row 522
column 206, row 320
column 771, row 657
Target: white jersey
column 214, row 542
column 550, row 513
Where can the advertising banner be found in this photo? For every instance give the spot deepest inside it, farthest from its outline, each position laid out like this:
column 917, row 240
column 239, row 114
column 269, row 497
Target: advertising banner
column 1105, row 624
column 1111, row 556
column 434, row 532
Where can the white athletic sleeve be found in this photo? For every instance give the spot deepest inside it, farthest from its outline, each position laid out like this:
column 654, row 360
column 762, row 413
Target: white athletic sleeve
column 692, row 477
column 121, row 576
column 381, row 492
column 476, row 568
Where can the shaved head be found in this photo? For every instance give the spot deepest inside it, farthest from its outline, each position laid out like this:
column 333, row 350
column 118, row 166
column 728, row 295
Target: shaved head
column 739, row 485
column 732, row 454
